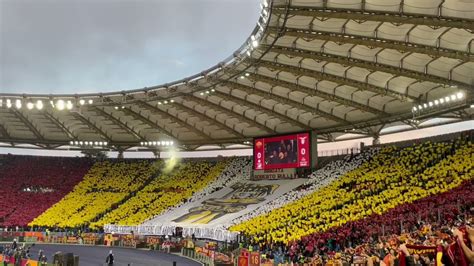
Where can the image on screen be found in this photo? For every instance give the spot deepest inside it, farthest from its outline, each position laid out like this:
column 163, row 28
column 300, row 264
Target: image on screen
column 278, row 152
column 281, row 152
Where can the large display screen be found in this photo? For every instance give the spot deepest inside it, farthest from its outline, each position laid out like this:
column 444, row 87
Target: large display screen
column 289, row 151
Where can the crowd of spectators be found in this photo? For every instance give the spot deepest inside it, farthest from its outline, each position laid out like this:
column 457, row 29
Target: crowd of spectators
column 318, row 179
column 30, row 185
column 105, row 186
column 429, row 231
column 392, row 179
column 164, row 192
column 236, row 170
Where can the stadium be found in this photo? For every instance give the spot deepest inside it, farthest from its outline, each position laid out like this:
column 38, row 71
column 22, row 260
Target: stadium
column 340, row 132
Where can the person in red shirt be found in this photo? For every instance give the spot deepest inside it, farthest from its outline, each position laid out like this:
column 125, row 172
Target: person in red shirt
column 467, row 248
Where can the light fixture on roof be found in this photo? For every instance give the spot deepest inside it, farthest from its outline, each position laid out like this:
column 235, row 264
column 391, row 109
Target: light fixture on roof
column 436, row 102
column 201, row 93
column 255, row 44
column 207, row 92
column 248, row 53
column 39, row 104
column 166, row 102
column 213, row 90
column 447, row 99
column 91, row 101
column 60, row 105
column 116, row 107
column 247, row 74
column 82, row 101
column 18, row 104
column 9, row 103
column 430, row 104
column 71, row 142
column 159, row 103
column 171, row 101
column 453, row 97
column 460, row 95
column 69, row 105
column 30, row 105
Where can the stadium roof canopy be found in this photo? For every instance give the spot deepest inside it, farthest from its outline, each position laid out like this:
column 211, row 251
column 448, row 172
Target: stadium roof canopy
column 332, row 66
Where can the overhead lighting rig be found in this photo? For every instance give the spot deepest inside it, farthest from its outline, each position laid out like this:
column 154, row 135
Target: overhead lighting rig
column 438, row 104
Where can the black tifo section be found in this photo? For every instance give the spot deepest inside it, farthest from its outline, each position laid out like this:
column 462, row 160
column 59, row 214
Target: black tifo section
column 96, row 255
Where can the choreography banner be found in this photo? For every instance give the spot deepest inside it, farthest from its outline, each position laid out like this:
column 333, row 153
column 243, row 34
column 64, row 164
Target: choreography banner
column 242, row 195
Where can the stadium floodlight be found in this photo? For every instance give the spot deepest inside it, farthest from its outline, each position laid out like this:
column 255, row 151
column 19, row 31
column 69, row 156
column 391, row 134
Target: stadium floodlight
column 105, row 143
column 202, row 93
column 248, row 53
column 265, row 12
column 91, row 101
column 116, row 107
column 414, row 109
column 247, row 74
column 159, row 103
column 9, row 103
column 18, row 104
column 30, row 105
column 82, row 101
column 171, row 142
column 166, row 102
column 420, row 107
column 96, row 143
column 255, row 44
column 252, row 37
column 71, row 142
column 154, row 143
column 1, row 102
column 453, row 97
column 242, row 77
column 447, row 99
column 441, row 100
column 430, row 104
column 460, row 95
column 472, row 105
column 207, row 92
column 436, row 102
column 171, row 101
column 60, row 105
column 39, row 104
column 265, row 3
column 213, row 90
column 69, row 105
column 425, row 105
column 81, row 142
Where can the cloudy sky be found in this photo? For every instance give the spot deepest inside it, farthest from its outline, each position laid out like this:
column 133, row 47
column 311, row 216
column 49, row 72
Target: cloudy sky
column 69, row 46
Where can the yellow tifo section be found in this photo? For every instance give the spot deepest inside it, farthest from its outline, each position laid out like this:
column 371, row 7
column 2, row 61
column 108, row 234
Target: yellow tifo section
column 164, row 192
column 105, row 185
column 393, row 177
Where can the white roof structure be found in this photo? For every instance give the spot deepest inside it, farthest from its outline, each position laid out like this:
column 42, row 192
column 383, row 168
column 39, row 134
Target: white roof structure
column 330, row 66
